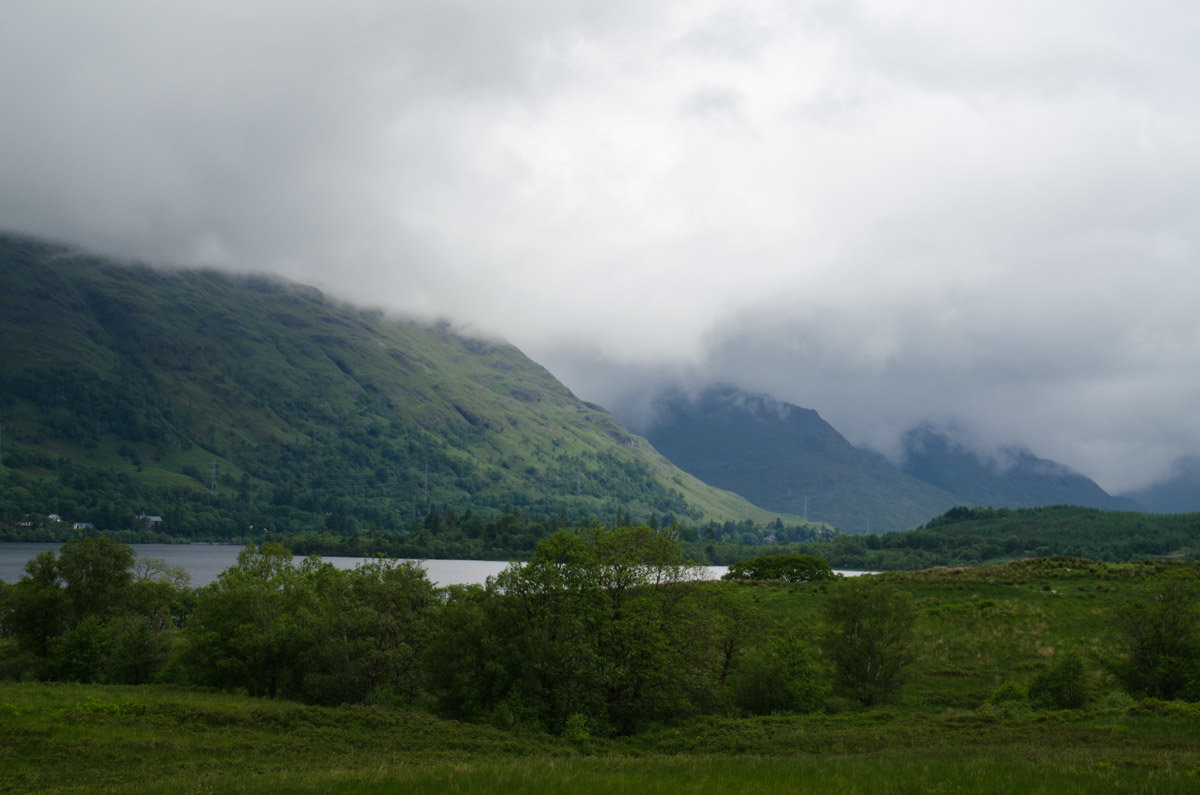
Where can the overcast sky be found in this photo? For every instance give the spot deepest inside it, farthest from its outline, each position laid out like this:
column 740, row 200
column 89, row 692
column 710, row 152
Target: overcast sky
column 979, row 213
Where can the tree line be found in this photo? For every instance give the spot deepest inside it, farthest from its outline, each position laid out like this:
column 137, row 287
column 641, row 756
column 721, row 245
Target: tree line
column 604, row 631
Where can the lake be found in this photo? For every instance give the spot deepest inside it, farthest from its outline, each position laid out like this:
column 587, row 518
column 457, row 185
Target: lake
column 205, row 561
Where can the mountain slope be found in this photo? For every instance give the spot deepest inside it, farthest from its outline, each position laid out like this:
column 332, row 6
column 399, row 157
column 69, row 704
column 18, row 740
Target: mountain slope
column 224, row 403
column 1179, row 493
column 785, row 458
column 1015, row 478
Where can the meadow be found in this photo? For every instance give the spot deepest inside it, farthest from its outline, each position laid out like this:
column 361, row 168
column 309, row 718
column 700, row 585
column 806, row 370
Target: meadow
column 961, row 722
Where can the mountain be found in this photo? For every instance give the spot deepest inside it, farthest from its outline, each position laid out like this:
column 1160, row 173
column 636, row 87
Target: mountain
column 786, row 458
column 1179, row 493
column 223, row 404
column 1013, row 477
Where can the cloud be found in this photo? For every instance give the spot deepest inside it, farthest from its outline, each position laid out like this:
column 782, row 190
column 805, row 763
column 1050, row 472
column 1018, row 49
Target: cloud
column 886, row 210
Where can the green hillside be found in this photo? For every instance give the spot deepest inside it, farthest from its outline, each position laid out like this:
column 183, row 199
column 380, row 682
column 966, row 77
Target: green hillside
column 231, row 404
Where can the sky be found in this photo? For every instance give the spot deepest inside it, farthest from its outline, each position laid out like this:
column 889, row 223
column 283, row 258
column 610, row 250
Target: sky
column 976, row 215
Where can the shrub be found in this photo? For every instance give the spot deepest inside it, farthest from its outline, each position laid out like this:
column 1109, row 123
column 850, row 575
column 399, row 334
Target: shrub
column 1160, row 637
column 1061, row 686
column 1009, row 691
column 778, row 677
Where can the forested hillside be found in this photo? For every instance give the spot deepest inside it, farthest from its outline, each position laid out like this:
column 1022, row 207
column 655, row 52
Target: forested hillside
column 227, row 405
column 976, row 536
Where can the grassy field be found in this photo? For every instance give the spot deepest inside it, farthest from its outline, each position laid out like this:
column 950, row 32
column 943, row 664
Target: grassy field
column 977, row 630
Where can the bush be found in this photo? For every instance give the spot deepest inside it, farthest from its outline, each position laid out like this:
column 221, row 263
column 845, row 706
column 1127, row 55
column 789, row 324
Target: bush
column 1061, row 686
column 778, row 677
column 1009, row 691
column 1161, row 640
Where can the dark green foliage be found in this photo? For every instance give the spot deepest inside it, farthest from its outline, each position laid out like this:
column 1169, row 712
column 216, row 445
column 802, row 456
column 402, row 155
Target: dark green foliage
column 779, row 676
column 869, row 640
column 1160, row 639
column 96, row 575
column 246, row 630
column 368, row 633
column 977, row 536
column 1061, row 686
column 787, row 567
column 1008, row 692
column 600, row 625
column 94, row 613
column 310, row 632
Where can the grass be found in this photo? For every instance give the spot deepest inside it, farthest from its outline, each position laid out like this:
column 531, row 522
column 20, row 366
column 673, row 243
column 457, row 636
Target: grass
column 61, row 738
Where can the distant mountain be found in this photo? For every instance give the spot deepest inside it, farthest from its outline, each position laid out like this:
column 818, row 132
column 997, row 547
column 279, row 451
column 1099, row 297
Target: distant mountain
column 223, row 403
column 1012, row 478
column 786, row 458
column 1179, row 493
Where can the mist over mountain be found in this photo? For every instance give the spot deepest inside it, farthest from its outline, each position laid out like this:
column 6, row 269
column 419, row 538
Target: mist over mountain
column 1178, row 493
column 786, row 458
column 1011, row 477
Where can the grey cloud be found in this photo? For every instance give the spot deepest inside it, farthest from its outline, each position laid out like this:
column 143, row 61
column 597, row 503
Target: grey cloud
column 887, row 212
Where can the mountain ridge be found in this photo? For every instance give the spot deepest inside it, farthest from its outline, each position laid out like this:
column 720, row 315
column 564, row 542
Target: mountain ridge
column 786, row 457
column 1013, row 477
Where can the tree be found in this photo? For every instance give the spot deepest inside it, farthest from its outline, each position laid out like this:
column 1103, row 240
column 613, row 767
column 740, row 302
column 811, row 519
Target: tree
column 246, row 629
column 35, row 608
column 1062, row 685
column 789, row 567
column 369, row 628
column 869, row 639
column 96, row 575
column 779, row 676
column 83, row 617
column 312, row 631
column 604, row 630
column 1160, row 638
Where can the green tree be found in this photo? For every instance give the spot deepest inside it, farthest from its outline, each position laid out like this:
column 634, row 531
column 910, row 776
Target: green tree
column 869, row 639
column 35, row 608
column 789, row 567
column 779, row 676
column 96, row 575
column 1160, row 640
column 246, row 630
column 369, row 628
column 605, row 627
column 1062, row 685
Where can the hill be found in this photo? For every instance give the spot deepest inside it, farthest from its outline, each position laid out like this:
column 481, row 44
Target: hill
column 225, row 405
column 1013, row 477
column 1179, row 493
column 786, row 458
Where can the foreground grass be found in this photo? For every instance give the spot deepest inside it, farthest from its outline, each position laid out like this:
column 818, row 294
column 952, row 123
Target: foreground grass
column 56, row 738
